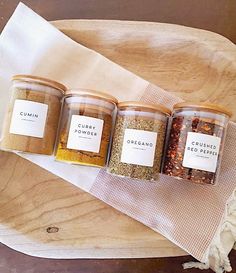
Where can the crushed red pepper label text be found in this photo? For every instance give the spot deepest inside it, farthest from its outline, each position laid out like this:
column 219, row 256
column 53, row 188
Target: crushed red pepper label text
column 201, row 151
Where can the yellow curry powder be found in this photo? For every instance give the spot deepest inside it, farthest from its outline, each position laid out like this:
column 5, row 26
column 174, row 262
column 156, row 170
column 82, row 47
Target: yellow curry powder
column 84, row 157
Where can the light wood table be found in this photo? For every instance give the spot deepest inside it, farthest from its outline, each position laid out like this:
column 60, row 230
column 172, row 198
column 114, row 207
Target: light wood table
column 31, row 206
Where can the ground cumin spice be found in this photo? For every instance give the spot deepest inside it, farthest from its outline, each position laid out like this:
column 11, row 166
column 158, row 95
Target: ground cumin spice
column 85, row 129
column 195, row 144
column 138, row 141
column 32, row 118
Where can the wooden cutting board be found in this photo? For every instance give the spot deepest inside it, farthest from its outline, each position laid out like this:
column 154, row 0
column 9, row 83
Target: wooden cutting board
column 42, row 215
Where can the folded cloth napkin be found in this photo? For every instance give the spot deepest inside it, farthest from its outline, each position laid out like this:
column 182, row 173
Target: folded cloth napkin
column 199, row 219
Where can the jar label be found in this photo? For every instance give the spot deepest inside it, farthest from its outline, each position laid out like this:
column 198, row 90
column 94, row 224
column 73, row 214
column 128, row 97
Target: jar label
column 139, row 147
column 28, row 118
column 201, row 152
column 85, row 133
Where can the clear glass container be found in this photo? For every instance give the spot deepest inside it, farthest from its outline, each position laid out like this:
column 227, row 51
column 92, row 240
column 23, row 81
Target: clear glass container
column 86, row 127
column 33, row 113
column 196, row 142
column 138, row 140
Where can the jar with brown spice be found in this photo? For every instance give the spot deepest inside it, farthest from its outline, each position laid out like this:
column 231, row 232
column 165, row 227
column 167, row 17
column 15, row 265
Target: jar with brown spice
column 85, row 127
column 32, row 118
column 196, row 141
column 138, row 140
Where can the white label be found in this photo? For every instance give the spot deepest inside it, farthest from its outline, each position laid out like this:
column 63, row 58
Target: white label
column 28, row 118
column 85, row 133
column 139, row 147
column 201, row 152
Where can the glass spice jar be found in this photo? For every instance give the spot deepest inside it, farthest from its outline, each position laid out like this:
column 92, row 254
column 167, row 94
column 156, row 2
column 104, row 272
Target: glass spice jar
column 196, row 141
column 85, row 127
column 31, row 121
column 138, row 140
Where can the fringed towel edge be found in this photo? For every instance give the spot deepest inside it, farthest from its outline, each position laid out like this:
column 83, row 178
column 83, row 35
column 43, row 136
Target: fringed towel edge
column 223, row 242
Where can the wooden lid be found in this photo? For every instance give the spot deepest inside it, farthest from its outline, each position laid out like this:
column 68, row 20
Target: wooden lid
column 145, row 106
column 40, row 80
column 91, row 93
column 212, row 107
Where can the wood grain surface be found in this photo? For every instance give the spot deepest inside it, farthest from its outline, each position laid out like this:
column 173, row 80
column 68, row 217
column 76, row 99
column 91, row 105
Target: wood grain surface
column 218, row 17
column 42, row 215
column 190, row 63
column 215, row 15
column 55, row 219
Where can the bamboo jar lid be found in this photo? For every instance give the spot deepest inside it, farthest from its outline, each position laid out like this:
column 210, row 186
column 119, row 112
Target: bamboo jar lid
column 40, row 80
column 91, row 93
column 145, row 106
column 212, row 107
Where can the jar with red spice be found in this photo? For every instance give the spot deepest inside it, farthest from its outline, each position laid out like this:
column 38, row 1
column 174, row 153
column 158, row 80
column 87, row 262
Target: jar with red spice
column 196, row 141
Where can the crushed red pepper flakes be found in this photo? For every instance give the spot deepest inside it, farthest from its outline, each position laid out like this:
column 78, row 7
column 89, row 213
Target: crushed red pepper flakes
column 180, row 128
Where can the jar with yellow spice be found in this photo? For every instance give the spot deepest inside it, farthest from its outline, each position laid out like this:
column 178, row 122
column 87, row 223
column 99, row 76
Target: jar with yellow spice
column 85, row 127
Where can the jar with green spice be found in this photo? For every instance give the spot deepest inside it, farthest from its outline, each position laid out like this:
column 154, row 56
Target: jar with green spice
column 138, row 140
